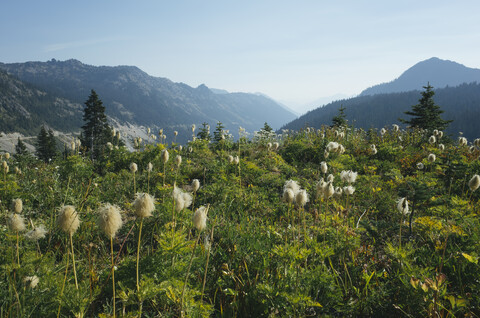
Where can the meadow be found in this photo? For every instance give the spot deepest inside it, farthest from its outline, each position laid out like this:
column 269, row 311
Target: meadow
column 321, row 222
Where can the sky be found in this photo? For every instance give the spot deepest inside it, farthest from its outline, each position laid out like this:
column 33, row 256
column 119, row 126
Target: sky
column 293, row 51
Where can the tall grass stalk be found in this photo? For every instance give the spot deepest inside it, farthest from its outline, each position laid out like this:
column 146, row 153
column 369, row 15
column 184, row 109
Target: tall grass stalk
column 113, row 275
column 73, row 261
column 138, row 252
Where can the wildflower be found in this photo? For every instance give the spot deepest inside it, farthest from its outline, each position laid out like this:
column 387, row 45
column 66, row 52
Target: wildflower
column 288, row 195
column 164, row 155
column 175, row 133
column 301, row 198
column 180, row 148
column 149, row 167
column 435, row 132
column 349, row 190
column 326, row 153
column 462, row 141
column 195, row 185
column 68, row 220
column 190, row 149
column 441, row 147
column 440, row 134
column 383, row 131
column 474, row 183
column 332, row 146
column 230, row 158
column 323, row 167
column 193, row 128
column 200, row 218
column 348, row 176
column 432, row 140
column 4, row 164
column 476, row 142
column 330, row 178
column 37, row 233
column 133, row 167
column 182, row 199
column 320, row 188
column 236, row 160
column 341, row 149
column 402, row 206
column 144, row 205
column 110, row 220
column 395, row 127
column 420, row 166
column 291, row 184
column 275, row 145
column 329, row 190
column 17, row 205
column 432, row 157
column 472, row 149
column 7, row 155
column 338, row 191
column 33, row 280
column 373, row 149
column 72, row 145
column 16, row 222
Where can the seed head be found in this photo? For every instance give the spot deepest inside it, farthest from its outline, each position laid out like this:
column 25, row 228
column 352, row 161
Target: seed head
column 338, row 192
column 395, row 127
column 200, row 218
column 349, row 190
column 402, row 206
column 332, row 146
column 7, row 155
column 193, row 128
column 165, row 155
column 109, row 219
column 17, row 205
column 474, row 183
column 383, row 131
column 330, row 178
column 432, row 157
column 133, row 167
column 31, row 280
column 323, row 167
column 329, row 191
column 16, row 222
column 236, row 160
column 182, row 199
column 441, row 147
column 149, row 167
column 301, row 198
column 462, row 141
column 291, row 184
column 68, row 220
column 143, row 205
column 288, row 195
column 178, row 160
column 37, row 233
column 432, row 140
column 420, row 166
column 195, row 185
column 230, row 158
column 275, row 145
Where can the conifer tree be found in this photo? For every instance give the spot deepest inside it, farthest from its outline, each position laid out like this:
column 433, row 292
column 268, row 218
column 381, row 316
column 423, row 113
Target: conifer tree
column 426, row 114
column 340, row 119
column 204, row 132
column 20, row 148
column 218, row 133
column 45, row 148
column 96, row 132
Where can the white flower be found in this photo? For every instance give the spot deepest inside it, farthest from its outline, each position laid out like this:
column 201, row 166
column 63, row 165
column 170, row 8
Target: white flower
column 402, row 206
column 432, row 157
column 349, row 190
column 200, row 218
column 474, row 183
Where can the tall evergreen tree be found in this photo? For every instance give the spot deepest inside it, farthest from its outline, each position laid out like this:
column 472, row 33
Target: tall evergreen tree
column 218, row 133
column 426, row 114
column 340, row 119
column 45, row 148
column 204, row 132
column 96, row 131
column 20, row 148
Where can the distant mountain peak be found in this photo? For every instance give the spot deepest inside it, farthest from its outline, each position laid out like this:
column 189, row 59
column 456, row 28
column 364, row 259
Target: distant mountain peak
column 439, row 73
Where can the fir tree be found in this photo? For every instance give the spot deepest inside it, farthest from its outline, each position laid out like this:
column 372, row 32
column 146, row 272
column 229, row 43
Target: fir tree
column 20, row 148
column 45, row 148
column 204, row 132
column 218, row 133
column 340, row 119
column 96, row 132
column 426, row 114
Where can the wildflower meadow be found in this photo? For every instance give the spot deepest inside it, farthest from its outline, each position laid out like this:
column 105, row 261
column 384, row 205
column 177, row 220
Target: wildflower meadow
column 326, row 222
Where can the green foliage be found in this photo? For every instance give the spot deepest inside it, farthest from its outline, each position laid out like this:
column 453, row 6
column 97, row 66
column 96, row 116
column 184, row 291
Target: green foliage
column 336, row 256
column 45, row 148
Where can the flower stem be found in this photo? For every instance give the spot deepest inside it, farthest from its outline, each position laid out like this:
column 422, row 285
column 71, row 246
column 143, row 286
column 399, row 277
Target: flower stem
column 73, row 261
column 182, row 313
column 138, row 251
column 113, row 274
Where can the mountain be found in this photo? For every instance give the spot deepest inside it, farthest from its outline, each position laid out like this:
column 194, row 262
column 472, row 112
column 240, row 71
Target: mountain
column 23, row 108
column 461, row 103
column 440, row 73
column 133, row 98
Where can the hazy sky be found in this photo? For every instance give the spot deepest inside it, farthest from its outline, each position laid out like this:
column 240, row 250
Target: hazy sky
column 293, row 51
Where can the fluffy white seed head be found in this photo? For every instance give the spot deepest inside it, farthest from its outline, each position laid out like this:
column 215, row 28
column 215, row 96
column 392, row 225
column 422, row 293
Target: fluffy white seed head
column 301, row 198
column 109, row 219
column 326, row 153
column 338, row 192
column 383, row 131
column 16, row 222
column 432, row 157
column 149, row 167
column 200, row 218
column 332, row 146
column 178, row 160
column 474, row 183
column 269, row 145
column 441, row 147
column 143, row 205
column 292, row 184
column 195, row 185
column 68, row 220
column 402, row 206
column 165, row 155
column 320, row 187
column 175, row 133
column 37, row 233
column 31, row 281
column 432, row 140
column 329, row 191
column 276, row 145
column 7, row 155
column 323, row 167
column 330, row 178
column 395, row 127
column 288, row 195
column 236, row 160
column 182, row 199
column 440, row 134
column 230, row 158
column 109, row 145
column 435, row 132
column 420, row 166
column 17, row 205
column 462, row 141
column 349, row 190
column 193, row 128
column 180, row 148
column 133, row 167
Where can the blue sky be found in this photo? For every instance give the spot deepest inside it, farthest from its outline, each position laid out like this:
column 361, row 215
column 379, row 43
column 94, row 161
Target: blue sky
column 293, row 51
